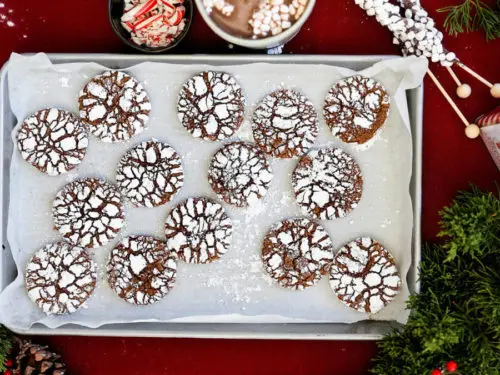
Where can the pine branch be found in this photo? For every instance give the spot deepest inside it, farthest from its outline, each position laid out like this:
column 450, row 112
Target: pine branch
column 472, row 15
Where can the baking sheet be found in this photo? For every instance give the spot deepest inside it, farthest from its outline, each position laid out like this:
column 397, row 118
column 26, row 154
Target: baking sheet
column 234, row 289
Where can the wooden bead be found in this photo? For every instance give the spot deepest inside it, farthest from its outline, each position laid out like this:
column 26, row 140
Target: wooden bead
column 472, row 131
column 495, row 90
column 464, row 91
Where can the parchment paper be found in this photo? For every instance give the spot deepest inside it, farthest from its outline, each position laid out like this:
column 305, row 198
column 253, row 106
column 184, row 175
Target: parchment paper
column 234, row 289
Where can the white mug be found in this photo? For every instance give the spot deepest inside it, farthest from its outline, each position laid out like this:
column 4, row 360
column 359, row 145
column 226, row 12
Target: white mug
column 262, row 43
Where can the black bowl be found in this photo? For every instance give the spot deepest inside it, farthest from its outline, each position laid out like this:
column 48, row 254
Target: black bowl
column 115, row 11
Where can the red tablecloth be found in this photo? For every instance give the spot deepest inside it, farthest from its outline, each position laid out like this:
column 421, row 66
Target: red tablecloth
column 451, row 162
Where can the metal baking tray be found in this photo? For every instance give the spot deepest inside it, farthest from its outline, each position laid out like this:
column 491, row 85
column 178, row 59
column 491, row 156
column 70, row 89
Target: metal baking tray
column 364, row 330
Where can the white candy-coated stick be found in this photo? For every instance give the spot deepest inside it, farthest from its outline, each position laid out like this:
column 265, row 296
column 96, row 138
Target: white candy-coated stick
column 474, row 74
column 453, row 75
column 448, row 97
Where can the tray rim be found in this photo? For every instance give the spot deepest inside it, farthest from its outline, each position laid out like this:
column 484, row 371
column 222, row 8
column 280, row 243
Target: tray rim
column 415, row 108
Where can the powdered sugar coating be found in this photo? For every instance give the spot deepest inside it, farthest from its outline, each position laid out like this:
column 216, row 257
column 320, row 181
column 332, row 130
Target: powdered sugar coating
column 140, row 270
column 88, row 212
column 60, row 278
column 150, row 174
column 285, row 124
column 327, row 183
column 296, row 252
column 114, row 106
column 53, row 141
column 364, row 276
column 355, row 108
column 198, row 230
column 211, row 106
column 240, row 174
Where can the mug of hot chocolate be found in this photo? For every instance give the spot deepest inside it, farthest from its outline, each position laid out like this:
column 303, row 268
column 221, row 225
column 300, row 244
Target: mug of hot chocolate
column 256, row 23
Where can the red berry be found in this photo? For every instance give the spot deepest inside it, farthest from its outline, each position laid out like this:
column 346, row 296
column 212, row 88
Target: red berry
column 7, row 372
column 452, row 366
column 8, row 363
column 436, row 372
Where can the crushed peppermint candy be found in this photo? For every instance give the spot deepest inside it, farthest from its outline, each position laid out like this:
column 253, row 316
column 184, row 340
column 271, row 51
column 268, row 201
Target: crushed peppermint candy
column 240, row 174
column 327, row 183
column 140, row 270
column 114, row 106
column 285, row 124
column 198, row 230
column 297, row 252
column 150, row 174
column 154, row 23
column 211, row 105
column 88, row 212
column 355, row 108
column 60, row 278
column 364, row 276
column 53, row 141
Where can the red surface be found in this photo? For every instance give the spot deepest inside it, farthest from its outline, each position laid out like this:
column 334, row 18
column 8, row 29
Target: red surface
column 451, row 162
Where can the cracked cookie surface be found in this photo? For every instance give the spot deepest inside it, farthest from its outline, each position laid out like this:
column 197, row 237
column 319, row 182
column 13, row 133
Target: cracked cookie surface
column 150, row 174
column 140, row 270
column 297, row 252
column 240, row 174
column 327, row 183
column 198, row 230
column 114, row 106
column 355, row 108
column 211, row 106
column 88, row 212
column 364, row 276
column 60, row 278
column 53, row 141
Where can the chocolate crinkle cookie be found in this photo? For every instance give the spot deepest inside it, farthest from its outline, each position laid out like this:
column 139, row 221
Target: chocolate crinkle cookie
column 211, row 106
column 240, row 174
column 53, row 141
column 88, row 212
column 60, row 278
column 355, row 108
column 285, row 124
column 140, row 270
column 198, row 230
column 114, row 106
column 150, row 174
column 364, row 276
column 297, row 252
column 327, row 183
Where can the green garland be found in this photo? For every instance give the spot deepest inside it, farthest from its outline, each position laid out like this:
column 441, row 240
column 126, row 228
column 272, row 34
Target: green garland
column 5, row 346
column 457, row 315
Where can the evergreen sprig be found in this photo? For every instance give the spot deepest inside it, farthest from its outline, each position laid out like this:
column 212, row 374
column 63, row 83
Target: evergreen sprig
column 5, row 345
column 457, row 314
column 472, row 15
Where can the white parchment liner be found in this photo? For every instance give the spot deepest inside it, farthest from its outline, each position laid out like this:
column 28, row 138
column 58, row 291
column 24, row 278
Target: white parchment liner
column 234, row 289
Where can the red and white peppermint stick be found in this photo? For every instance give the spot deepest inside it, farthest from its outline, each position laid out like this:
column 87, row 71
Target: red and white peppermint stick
column 491, row 118
column 147, row 22
column 129, row 26
column 177, row 17
column 139, row 10
column 168, row 8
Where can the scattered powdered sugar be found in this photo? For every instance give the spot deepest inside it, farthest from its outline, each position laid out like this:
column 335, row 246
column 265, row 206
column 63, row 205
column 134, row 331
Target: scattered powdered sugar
column 140, row 270
column 364, row 276
column 211, row 106
column 240, row 174
column 115, row 106
column 150, row 174
column 198, row 230
column 60, row 278
column 355, row 108
column 327, row 183
column 88, row 212
column 52, row 140
column 296, row 252
column 285, row 124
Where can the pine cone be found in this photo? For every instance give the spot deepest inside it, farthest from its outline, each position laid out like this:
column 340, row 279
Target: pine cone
column 35, row 359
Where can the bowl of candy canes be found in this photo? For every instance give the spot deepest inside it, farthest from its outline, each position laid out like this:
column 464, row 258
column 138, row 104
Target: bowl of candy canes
column 256, row 24
column 151, row 26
